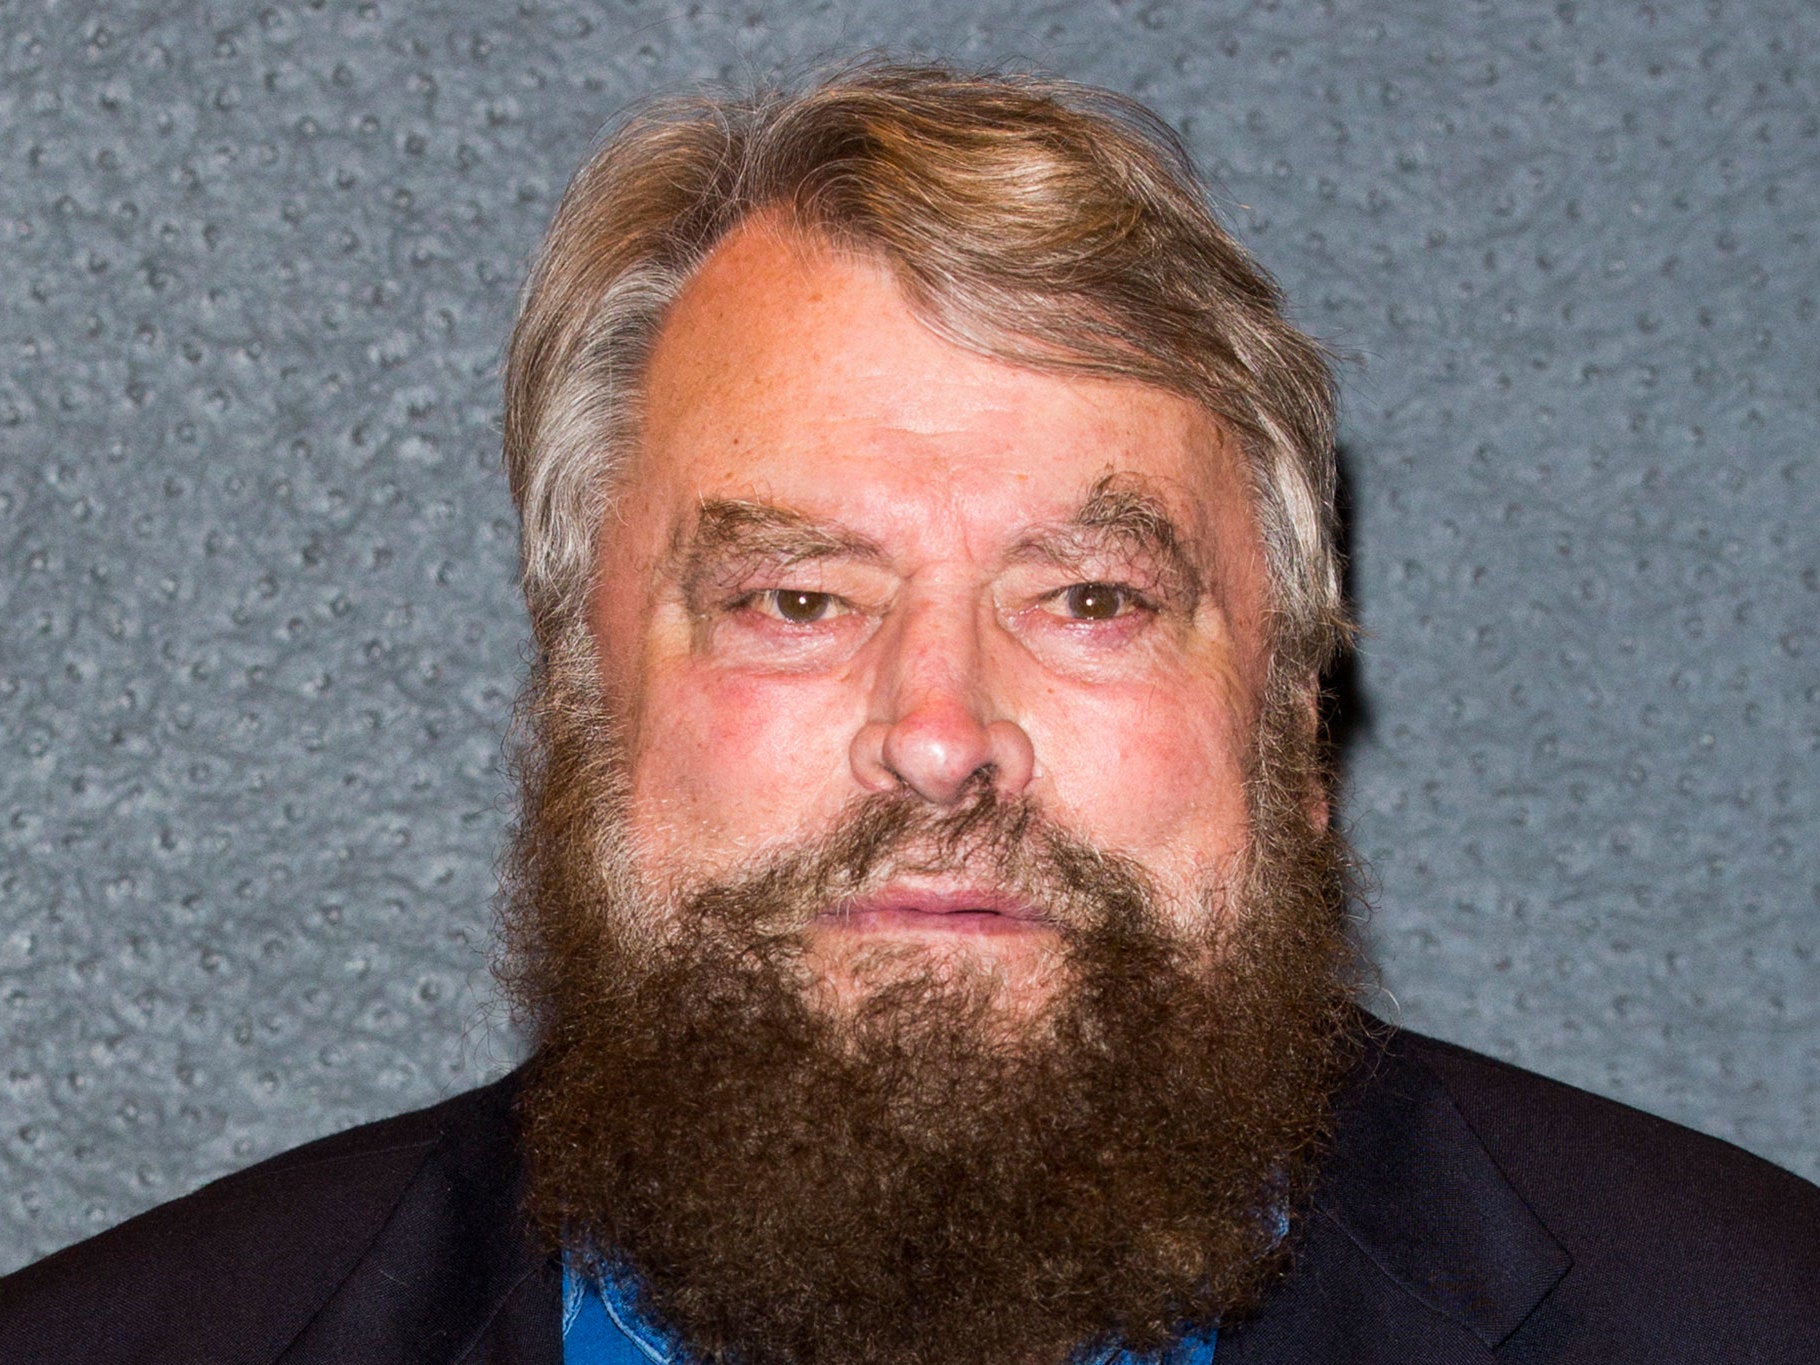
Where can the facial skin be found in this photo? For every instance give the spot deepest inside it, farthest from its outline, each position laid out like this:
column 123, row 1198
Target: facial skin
column 850, row 557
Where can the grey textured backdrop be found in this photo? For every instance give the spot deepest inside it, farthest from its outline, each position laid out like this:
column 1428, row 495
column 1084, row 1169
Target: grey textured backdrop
column 260, row 634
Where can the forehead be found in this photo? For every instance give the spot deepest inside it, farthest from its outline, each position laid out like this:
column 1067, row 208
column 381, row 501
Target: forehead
column 792, row 372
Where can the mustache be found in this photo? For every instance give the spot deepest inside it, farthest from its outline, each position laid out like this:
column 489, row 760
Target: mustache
column 1006, row 842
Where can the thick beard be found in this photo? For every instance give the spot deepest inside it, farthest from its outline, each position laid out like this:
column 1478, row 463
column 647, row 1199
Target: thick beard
column 910, row 1180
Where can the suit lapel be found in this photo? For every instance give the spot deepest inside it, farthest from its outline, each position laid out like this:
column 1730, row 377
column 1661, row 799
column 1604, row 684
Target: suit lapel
column 1418, row 1248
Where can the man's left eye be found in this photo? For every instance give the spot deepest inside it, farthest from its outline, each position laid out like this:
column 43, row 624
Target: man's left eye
column 1095, row 601
column 797, row 607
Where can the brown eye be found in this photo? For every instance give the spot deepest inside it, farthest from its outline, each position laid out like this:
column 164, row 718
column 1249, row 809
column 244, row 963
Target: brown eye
column 801, row 608
column 1094, row 601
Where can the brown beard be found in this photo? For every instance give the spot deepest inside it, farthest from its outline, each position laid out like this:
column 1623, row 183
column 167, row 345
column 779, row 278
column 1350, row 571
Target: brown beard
column 913, row 1181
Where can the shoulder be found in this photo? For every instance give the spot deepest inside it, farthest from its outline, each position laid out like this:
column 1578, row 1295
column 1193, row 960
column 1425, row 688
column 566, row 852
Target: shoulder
column 1669, row 1234
column 1469, row 1210
column 236, row 1269
column 1595, row 1168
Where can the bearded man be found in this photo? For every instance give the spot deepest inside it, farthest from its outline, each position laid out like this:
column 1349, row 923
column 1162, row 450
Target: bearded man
column 925, row 905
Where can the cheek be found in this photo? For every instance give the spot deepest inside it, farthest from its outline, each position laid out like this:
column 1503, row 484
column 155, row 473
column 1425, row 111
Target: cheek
column 1154, row 771
column 725, row 759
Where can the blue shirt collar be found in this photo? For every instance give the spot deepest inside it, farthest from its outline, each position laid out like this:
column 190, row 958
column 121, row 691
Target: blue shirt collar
column 601, row 1325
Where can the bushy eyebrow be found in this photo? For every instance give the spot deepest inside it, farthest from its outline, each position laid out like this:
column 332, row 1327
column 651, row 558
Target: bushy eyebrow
column 1122, row 518
column 735, row 537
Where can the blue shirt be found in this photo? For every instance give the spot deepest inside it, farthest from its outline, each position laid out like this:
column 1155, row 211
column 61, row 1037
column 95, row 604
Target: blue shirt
column 601, row 1326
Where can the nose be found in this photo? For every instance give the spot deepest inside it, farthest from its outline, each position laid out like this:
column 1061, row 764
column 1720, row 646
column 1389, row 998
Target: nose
column 935, row 732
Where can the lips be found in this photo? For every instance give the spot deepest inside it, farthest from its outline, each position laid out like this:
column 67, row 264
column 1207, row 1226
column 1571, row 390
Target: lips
column 948, row 910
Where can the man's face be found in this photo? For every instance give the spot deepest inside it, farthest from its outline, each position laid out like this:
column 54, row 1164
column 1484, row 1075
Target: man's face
column 872, row 905
column 851, row 558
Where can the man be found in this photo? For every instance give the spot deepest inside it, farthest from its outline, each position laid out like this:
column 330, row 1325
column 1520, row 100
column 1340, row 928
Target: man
column 925, row 900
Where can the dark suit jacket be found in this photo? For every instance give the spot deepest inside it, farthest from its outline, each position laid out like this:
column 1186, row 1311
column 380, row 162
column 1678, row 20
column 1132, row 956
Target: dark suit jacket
column 1469, row 1212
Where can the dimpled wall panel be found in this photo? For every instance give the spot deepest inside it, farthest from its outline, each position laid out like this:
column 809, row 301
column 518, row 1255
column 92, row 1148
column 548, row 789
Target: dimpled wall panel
column 260, row 636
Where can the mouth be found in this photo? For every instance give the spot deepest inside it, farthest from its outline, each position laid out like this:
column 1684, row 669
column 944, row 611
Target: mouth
column 976, row 911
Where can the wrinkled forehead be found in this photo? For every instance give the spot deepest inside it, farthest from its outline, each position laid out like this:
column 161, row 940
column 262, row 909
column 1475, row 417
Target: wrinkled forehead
column 792, row 371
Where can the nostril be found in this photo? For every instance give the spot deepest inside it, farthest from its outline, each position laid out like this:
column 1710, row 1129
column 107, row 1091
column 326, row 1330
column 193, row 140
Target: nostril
column 867, row 757
column 1012, row 757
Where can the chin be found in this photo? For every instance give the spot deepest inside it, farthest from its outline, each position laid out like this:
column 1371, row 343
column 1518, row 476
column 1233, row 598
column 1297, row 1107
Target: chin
column 1008, row 977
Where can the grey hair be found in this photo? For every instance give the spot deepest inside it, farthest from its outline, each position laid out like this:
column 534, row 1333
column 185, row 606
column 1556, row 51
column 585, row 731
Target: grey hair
column 1030, row 218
